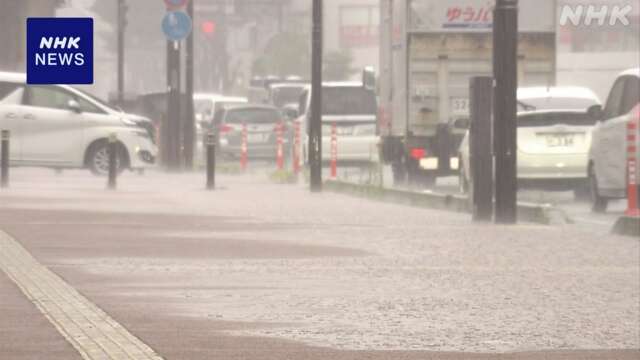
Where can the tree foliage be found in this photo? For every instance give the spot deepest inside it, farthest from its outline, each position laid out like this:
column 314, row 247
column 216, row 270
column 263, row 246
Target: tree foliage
column 286, row 54
column 337, row 66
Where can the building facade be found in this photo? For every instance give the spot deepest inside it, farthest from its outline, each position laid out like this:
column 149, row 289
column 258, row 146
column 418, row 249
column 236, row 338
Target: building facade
column 13, row 18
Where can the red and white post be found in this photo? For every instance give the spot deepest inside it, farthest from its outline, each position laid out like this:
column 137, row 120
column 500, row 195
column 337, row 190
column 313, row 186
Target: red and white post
column 296, row 148
column 334, row 151
column 244, row 148
column 633, row 178
column 280, row 145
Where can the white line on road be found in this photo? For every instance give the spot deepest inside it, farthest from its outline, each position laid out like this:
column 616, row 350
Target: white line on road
column 93, row 333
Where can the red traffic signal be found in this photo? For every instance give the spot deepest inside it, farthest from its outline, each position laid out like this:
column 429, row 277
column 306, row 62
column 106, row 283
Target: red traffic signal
column 208, row 27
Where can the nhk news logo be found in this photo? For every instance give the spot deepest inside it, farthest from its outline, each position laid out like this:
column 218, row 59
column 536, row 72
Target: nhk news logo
column 595, row 15
column 59, row 51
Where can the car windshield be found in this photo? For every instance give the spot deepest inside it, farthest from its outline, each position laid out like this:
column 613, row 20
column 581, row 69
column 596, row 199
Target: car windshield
column 203, row 106
column 225, row 104
column 555, row 118
column 98, row 100
column 252, row 116
column 342, row 100
column 555, row 103
column 286, row 95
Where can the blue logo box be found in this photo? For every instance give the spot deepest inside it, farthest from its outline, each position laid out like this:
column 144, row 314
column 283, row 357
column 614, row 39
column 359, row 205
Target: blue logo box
column 59, row 51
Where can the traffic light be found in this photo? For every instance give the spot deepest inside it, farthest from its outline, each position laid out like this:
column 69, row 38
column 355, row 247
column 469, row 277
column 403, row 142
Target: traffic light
column 208, row 27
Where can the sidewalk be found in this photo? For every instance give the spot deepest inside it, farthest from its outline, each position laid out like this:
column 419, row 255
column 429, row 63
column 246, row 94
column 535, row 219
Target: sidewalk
column 263, row 271
column 25, row 333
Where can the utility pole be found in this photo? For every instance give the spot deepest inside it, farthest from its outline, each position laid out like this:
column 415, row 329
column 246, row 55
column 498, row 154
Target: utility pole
column 174, row 113
column 505, row 72
column 315, row 125
column 122, row 24
column 189, row 123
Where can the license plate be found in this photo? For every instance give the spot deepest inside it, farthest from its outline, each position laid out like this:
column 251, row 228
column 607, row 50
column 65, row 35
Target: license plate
column 344, row 130
column 256, row 138
column 555, row 141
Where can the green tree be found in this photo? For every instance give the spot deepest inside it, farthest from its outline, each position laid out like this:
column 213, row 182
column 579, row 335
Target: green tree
column 286, row 54
column 337, row 66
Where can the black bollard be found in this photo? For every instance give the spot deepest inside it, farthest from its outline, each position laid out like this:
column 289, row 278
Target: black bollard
column 210, row 142
column 480, row 156
column 4, row 159
column 113, row 161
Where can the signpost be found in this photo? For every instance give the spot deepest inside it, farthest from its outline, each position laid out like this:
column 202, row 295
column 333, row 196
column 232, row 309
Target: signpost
column 315, row 125
column 177, row 25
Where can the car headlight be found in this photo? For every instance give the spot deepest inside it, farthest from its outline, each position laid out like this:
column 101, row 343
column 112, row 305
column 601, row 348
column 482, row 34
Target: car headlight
column 142, row 134
column 128, row 121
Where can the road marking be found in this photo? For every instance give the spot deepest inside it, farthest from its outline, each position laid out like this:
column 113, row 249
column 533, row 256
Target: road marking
column 93, row 333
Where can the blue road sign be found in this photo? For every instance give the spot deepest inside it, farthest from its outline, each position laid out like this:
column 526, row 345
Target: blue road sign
column 176, row 25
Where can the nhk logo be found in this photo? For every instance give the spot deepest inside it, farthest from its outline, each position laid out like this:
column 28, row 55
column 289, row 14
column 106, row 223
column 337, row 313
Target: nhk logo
column 60, row 51
column 55, row 58
column 589, row 15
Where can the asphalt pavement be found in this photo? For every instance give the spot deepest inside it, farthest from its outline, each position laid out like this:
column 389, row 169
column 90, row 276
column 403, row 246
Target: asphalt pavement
column 257, row 270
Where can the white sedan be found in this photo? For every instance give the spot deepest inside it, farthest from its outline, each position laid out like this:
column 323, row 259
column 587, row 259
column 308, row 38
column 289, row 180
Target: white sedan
column 60, row 126
column 554, row 135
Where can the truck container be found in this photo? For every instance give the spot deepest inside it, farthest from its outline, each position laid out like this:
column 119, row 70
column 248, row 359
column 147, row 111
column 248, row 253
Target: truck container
column 429, row 50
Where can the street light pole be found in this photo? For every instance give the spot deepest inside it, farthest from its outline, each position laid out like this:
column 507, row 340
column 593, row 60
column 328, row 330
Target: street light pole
column 121, row 29
column 189, row 124
column 173, row 121
column 505, row 70
column 315, row 123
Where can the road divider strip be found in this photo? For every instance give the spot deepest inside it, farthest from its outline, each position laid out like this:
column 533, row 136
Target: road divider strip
column 93, row 333
column 545, row 214
column 627, row 226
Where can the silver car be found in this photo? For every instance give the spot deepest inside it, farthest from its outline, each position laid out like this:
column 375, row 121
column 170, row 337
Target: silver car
column 261, row 123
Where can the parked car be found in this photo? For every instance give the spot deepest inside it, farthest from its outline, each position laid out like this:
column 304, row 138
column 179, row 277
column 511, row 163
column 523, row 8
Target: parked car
column 205, row 107
column 261, row 122
column 286, row 93
column 60, row 126
column 352, row 108
column 554, row 135
column 608, row 153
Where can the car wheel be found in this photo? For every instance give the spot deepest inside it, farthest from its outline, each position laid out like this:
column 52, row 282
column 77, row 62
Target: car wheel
column 598, row 202
column 98, row 159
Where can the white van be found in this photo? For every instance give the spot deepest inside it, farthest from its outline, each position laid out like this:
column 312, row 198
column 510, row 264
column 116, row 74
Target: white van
column 59, row 126
column 353, row 110
column 608, row 153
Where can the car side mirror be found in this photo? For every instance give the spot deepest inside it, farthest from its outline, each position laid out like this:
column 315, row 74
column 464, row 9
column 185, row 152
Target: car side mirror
column 74, row 106
column 595, row 112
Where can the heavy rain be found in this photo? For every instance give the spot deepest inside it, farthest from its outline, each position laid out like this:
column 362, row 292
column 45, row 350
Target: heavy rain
column 309, row 179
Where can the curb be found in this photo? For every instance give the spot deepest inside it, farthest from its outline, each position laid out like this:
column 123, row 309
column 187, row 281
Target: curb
column 545, row 214
column 627, row 226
